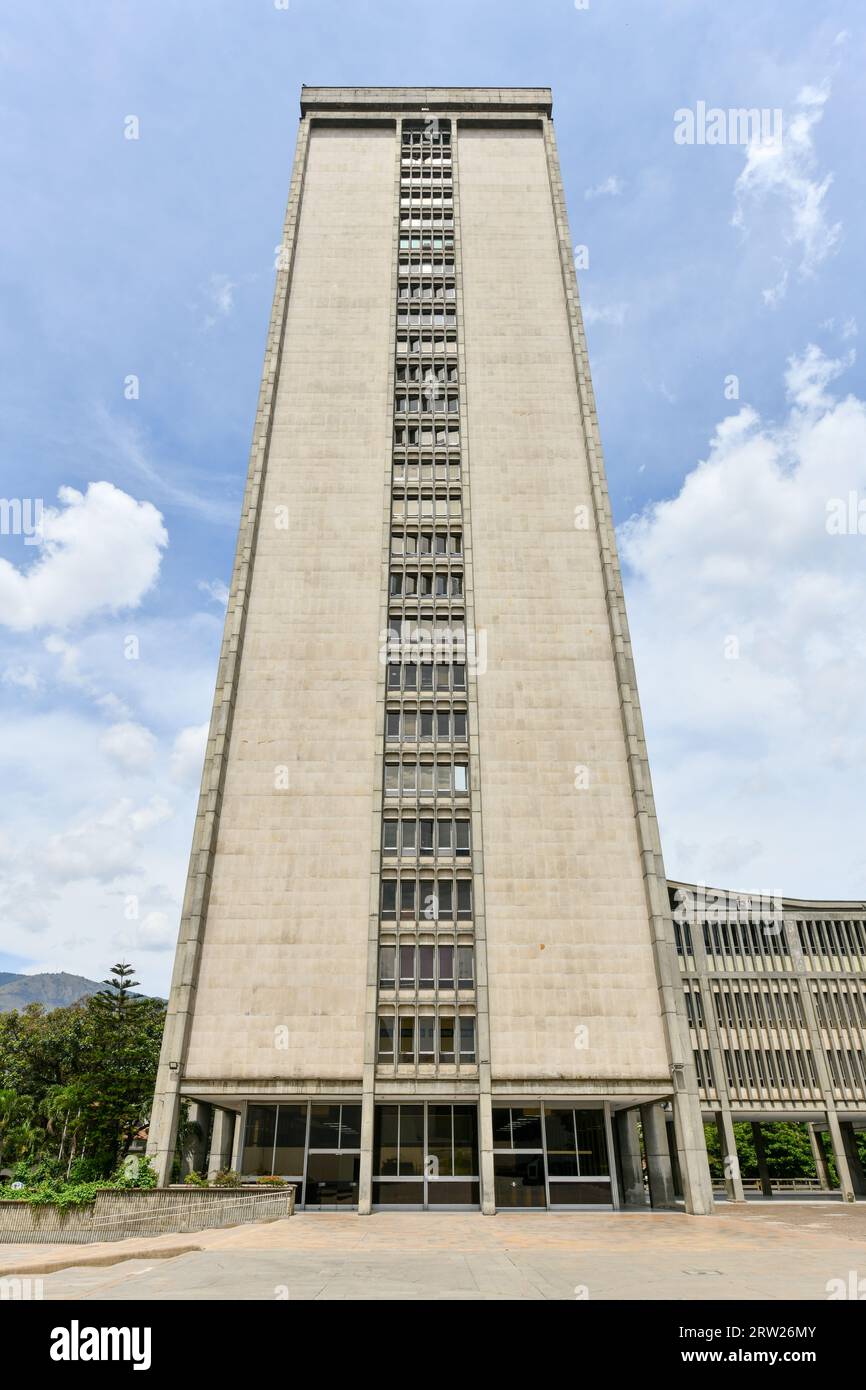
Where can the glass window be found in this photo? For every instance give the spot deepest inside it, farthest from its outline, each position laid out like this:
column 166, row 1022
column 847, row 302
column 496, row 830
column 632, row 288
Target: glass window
column 411, row 1158
column 407, row 967
column 386, row 967
column 386, row 1039
column 446, row 1038
column 350, row 1127
column 519, row 1180
column 467, row 1038
column 389, row 897
column 446, row 967
column 392, row 779
column 561, row 1143
column 426, row 1037
column 259, row 1140
column 440, row 1141
column 291, row 1138
column 409, row 836
column 324, row 1126
column 462, row 836
column 407, row 897
column 444, row 836
column 460, row 724
column 407, row 1038
column 426, row 837
column 591, row 1142
column 389, row 837
column 461, row 778
column 425, row 967
column 465, row 967
column 446, row 910
column 526, row 1127
column 464, row 897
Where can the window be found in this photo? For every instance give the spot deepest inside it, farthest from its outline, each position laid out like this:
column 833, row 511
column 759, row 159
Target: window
column 462, row 837
column 465, row 967
column 426, row 1036
column 467, row 1038
column 386, row 967
column 426, row 955
column 389, row 897
column 446, row 967
column 446, row 1038
column 389, row 837
column 407, row 1038
column 407, row 967
column 386, row 1039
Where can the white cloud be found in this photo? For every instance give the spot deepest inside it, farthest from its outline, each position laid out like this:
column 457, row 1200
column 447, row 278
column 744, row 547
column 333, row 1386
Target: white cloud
column 613, row 314
column 215, row 589
column 611, row 187
column 24, row 677
column 187, row 755
column 131, row 746
column 156, row 932
column 785, row 171
column 101, row 553
column 757, row 759
column 221, row 296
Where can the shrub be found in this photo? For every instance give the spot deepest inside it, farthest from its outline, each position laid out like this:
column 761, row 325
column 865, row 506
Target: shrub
column 271, row 1181
column 227, row 1177
column 196, row 1180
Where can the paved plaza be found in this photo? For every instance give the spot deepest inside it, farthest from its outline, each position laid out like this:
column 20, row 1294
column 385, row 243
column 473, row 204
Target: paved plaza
column 762, row 1252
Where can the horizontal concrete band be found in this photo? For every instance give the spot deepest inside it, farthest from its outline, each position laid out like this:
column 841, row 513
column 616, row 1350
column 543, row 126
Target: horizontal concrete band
column 539, row 99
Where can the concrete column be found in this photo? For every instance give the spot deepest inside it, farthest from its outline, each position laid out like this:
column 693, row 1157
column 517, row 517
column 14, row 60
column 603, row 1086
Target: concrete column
column 237, row 1149
column 763, row 1170
column 221, row 1141
column 691, row 1153
column 162, row 1132
column 658, row 1159
column 858, row 1177
column 846, row 1182
column 730, row 1157
column 365, row 1177
column 485, row 1156
column 822, row 1169
column 194, row 1155
column 628, row 1138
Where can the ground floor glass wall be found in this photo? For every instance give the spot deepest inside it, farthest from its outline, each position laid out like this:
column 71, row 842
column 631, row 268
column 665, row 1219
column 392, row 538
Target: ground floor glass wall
column 550, row 1156
column 316, row 1146
column 426, row 1155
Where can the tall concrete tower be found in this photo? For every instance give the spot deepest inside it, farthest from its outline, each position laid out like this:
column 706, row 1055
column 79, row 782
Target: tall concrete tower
column 426, row 955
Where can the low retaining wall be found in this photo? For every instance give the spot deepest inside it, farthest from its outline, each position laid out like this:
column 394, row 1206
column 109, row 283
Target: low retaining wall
column 118, row 1214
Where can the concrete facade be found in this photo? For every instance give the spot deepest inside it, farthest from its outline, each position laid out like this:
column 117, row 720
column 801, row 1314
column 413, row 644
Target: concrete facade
column 426, row 240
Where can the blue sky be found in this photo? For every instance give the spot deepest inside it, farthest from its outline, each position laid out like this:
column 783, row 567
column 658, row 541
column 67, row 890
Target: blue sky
column 154, row 258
